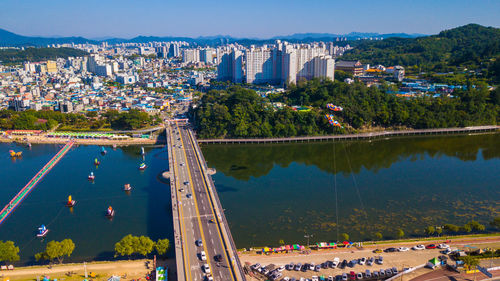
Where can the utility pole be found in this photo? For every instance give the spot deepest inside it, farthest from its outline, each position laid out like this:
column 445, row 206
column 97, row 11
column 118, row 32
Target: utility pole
column 308, row 236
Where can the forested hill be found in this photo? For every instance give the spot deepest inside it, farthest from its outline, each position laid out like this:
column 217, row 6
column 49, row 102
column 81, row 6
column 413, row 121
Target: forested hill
column 472, row 46
column 38, row 54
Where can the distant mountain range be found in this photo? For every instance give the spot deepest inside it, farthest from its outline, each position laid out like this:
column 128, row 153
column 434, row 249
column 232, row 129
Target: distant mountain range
column 8, row 38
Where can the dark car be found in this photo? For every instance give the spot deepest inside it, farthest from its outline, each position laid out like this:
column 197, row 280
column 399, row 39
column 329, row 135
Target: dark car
column 431, row 246
column 343, row 264
column 218, row 258
column 390, row 250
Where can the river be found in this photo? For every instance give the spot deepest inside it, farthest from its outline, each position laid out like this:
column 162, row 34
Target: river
column 287, row 191
column 270, row 192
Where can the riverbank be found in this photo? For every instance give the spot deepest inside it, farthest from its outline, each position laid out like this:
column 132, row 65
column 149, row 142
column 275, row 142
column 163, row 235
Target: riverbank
column 46, row 140
column 132, row 269
column 369, row 135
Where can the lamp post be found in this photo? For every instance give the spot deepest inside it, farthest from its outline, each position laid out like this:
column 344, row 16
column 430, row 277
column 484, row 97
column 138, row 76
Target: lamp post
column 308, row 236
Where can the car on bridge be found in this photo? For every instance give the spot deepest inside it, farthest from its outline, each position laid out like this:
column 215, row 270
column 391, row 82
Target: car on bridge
column 199, row 243
column 206, row 268
column 203, row 256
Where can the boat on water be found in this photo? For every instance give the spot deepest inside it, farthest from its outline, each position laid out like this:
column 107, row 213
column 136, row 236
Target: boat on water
column 103, row 151
column 91, row 176
column 97, row 162
column 110, row 212
column 114, row 145
column 127, row 187
column 142, row 166
column 70, row 202
column 29, row 145
column 42, row 231
column 142, row 151
column 15, row 154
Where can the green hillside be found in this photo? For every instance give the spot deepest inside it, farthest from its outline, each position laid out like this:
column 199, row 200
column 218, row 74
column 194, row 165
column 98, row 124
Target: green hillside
column 472, row 46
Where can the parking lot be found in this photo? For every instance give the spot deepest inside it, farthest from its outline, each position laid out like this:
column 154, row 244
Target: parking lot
column 398, row 260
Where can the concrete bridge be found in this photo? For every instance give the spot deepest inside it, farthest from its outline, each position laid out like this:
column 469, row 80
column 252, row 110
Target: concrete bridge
column 201, row 233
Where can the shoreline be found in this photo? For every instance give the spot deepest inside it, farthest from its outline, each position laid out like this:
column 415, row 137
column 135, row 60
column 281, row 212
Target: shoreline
column 359, row 136
column 106, row 142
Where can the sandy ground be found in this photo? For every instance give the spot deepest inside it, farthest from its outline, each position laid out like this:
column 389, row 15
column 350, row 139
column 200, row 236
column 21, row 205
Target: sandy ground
column 42, row 139
column 397, row 259
column 133, row 269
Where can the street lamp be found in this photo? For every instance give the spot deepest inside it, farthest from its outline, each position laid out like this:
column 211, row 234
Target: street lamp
column 308, row 236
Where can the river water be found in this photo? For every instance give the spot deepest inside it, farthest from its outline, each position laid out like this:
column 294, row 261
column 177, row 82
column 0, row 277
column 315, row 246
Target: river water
column 146, row 210
column 286, row 191
column 269, row 192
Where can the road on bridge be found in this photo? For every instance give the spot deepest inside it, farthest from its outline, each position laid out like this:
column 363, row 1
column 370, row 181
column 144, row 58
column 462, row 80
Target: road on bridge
column 198, row 219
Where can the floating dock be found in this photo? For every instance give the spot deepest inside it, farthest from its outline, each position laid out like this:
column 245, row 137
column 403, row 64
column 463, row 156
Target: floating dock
column 16, row 201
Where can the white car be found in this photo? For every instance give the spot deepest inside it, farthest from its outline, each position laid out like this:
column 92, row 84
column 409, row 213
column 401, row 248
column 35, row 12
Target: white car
column 203, row 256
column 206, row 268
column 403, row 249
column 443, row 246
column 315, row 278
column 281, row 268
column 418, row 247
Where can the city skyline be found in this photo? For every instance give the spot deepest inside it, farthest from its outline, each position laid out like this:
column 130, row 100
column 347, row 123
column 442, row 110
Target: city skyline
column 94, row 20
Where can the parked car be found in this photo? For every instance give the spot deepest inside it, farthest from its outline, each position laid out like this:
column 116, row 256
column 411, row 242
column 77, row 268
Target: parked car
column 446, row 251
column 377, row 251
column 380, row 260
column 317, row 268
column 344, row 277
column 352, row 275
column 298, row 266
column 390, row 250
column 388, row 272
column 290, row 266
column 362, row 261
column 368, row 274
column 375, row 274
column 443, row 246
column 418, row 247
column 394, row 270
column 370, row 261
column 382, row 273
column 325, row 264
column 343, row 264
column 255, row 266
column 311, row 266
column 431, row 246
column 403, row 249
column 315, row 278
column 281, row 268
column 359, row 276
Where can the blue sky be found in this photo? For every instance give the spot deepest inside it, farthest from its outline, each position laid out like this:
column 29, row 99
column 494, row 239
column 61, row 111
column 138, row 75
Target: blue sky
column 250, row 18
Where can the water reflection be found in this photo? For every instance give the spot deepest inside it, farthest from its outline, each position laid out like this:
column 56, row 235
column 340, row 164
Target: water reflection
column 274, row 192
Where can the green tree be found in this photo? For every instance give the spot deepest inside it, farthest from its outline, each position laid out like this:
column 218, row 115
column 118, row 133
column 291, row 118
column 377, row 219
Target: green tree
column 144, row 245
column 282, row 242
column 476, row 226
column 400, row 233
column 345, row 236
column 57, row 250
column 378, row 235
column 8, row 251
column 451, row 228
column 495, row 222
column 126, row 246
column 471, row 261
column 162, row 246
column 430, row 230
column 439, row 230
column 466, row 228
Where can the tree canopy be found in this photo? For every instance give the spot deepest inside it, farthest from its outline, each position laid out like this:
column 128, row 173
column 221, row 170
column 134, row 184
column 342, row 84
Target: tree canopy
column 8, row 251
column 57, row 250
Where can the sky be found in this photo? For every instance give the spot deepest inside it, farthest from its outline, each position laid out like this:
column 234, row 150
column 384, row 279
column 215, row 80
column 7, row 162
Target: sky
column 250, row 18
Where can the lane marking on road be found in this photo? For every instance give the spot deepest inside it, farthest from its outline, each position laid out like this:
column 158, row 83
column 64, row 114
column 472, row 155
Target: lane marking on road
column 196, row 205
